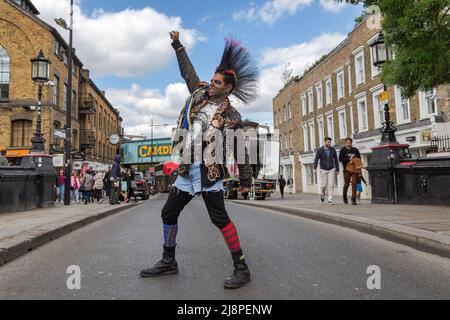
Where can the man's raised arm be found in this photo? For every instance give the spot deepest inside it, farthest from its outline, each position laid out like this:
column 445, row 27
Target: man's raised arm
column 186, row 68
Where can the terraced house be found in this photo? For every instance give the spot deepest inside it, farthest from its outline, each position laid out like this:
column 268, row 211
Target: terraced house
column 339, row 97
column 22, row 36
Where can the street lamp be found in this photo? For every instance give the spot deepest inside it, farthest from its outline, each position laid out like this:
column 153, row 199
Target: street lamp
column 380, row 54
column 40, row 70
column 62, row 23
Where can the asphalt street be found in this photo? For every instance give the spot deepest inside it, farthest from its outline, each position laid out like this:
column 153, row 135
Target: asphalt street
column 289, row 258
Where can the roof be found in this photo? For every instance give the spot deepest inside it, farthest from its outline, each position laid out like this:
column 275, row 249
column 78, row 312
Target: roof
column 100, row 93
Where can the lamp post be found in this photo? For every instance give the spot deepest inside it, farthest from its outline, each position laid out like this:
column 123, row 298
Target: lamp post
column 62, row 23
column 40, row 70
column 151, row 136
column 381, row 53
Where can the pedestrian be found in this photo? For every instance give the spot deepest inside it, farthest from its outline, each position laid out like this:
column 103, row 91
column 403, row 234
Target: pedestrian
column 282, row 184
column 107, row 182
column 359, row 188
column 345, row 155
column 87, row 186
column 74, row 187
column 3, row 161
column 98, row 187
column 61, row 186
column 124, row 185
column 210, row 111
column 131, row 185
column 290, row 184
column 116, row 175
column 329, row 169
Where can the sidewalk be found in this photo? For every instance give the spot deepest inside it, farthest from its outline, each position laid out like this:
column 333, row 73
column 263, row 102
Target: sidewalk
column 425, row 228
column 24, row 231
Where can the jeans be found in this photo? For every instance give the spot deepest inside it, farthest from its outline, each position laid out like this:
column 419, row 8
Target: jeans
column 75, row 195
column 60, row 192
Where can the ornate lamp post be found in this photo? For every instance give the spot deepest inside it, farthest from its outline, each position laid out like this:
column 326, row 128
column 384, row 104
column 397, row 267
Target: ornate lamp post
column 381, row 53
column 40, row 70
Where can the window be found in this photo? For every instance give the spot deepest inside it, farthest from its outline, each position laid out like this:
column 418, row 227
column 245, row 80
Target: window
column 281, row 142
column 56, row 90
column 349, row 72
column 374, row 70
column 289, row 111
column 359, row 68
column 57, row 48
column 340, row 84
column 305, row 138
column 319, row 96
column 403, row 109
column 21, row 132
column 342, row 124
column 312, row 135
column 311, row 176
column 378, row 108
column 291, row 139
column 328, row 94
column 65, row 97
column 4, row 74
column 310, row 101
column 275, row 118
column 362, row 115
column 330, row 127
column 321, row 130
column 352, row 123
column 74, row 103
column 286, row 143
column 284, row 113
column 303, row 99
column 428, row 103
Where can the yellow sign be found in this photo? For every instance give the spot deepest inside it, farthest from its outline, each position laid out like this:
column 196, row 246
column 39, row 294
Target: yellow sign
column 145, row 151
column 16, row 153
column 383, row 96
column 425, row 136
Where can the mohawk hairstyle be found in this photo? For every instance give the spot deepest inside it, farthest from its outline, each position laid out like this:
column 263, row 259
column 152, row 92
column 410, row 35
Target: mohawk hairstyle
column 245, row 79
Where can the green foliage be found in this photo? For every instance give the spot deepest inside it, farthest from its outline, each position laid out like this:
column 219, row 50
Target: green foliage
column 419, row 33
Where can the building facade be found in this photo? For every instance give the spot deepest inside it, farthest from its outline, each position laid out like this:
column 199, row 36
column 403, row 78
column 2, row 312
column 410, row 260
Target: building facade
column 22, row 36
column 339, row 98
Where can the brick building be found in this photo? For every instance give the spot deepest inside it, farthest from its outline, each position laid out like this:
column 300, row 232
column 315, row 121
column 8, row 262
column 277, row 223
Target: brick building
column 22, row 35
column 338, row 97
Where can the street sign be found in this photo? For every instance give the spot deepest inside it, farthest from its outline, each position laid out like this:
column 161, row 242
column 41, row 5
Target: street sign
column 59, row 133
column 383, row 96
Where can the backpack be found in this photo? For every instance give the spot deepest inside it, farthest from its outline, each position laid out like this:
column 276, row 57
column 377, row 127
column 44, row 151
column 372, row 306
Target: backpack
column 355, row 166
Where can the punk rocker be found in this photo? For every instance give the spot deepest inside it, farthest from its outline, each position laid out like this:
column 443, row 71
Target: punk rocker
column 208, row 110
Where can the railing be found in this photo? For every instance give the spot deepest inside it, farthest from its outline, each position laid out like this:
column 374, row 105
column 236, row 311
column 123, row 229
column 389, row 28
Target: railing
column 87, row 139
column 441, row 143
column 87, row 104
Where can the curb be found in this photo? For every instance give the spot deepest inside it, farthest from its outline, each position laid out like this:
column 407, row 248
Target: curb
column 421, row 240
column 27, row 241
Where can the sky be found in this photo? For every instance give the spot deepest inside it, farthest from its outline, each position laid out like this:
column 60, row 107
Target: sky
column 126, row 47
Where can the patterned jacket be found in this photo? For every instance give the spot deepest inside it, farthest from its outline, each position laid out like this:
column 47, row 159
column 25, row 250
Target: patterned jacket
column 226, row 119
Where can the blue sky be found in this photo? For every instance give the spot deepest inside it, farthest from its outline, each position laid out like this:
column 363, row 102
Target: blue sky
column 126, row 45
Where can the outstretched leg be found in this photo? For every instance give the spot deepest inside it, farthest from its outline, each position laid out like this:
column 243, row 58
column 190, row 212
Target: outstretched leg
column 175, row 203
column 215, row 205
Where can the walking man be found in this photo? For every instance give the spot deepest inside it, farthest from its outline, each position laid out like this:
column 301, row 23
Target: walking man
column 282, row 184
column 345, row 155
column 116, row 174
column 207, row 113
column 329, row 168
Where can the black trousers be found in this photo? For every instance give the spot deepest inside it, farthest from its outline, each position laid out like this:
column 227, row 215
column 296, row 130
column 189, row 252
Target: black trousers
column 177, row 200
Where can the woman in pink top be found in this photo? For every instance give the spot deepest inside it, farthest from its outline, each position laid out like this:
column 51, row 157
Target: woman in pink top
column 60, row 187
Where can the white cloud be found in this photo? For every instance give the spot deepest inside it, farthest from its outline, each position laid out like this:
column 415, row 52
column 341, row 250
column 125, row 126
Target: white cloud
column 125, row 43
column 271, row 10
column 138, row 106
column 333, row 5
column 272, row 63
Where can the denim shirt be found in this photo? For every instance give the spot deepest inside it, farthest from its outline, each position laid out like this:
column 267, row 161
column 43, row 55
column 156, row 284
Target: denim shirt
column 193, row 183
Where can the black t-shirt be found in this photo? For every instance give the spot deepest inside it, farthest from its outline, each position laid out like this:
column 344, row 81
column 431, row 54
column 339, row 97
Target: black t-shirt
column 345, row 155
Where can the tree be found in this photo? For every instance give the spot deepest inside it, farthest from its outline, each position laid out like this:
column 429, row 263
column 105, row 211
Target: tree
column 419, row 33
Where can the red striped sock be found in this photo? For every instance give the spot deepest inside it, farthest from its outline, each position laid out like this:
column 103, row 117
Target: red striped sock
column 231, row 237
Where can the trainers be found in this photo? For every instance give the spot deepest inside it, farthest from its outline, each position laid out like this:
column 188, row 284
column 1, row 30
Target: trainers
column 167, row 265
column 354, row 201
column 330, row 202
column 322, row 198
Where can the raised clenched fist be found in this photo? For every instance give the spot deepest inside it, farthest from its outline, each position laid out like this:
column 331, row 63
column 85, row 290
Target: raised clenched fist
column 174, row 35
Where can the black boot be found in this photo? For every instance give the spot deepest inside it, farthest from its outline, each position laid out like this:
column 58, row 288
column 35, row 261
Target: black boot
column 167, row 265
column 241, row 274
column 354, row 201
column 344, row 197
